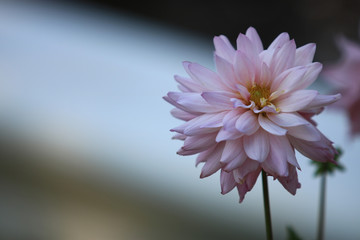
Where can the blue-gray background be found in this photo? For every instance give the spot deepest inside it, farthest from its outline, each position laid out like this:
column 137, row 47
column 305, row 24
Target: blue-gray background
column 85, row 142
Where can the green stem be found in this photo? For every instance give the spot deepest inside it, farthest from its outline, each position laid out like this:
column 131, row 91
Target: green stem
column 320, row 235
column 266, row 206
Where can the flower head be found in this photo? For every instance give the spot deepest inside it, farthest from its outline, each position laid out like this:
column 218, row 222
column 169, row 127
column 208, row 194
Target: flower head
column 345, row 77
column 253, row 112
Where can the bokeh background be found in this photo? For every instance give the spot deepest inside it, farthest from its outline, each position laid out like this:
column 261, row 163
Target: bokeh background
column 85, row 147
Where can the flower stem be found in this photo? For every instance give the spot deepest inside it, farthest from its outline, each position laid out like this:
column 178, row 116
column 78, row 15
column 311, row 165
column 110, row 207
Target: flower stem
column 320, row 235
column 266, row 206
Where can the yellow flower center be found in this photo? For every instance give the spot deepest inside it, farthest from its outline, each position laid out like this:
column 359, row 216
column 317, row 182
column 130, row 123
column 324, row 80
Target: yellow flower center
column 260, row 95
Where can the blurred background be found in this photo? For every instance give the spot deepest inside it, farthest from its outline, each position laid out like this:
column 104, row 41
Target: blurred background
column 85, row 147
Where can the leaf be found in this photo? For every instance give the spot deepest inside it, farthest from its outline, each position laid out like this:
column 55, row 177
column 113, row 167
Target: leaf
column 291, row 234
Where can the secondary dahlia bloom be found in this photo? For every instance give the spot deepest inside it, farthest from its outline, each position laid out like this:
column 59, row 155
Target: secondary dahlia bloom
column 345, row 77
column 253, row 112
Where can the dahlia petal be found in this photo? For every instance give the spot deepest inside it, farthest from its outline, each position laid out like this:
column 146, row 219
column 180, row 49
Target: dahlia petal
column 244, row 92
column 228, row 135
column 313, row 70
column 192, row 102
column 212, row 163
column 203, row 156
column 227, row 182
column 284, row 58
column 270, row 127
column 305, row 54
column 323, row 100
column 182, row 115
column 245, row 45
column 204, row 124
column 289, row 81
column 257, row 145
column 252, row 34
column 290, row 183
column 199, row 142
column 239, row 103
column 266, row 109
column 226, row 71
column 223, row 48
column 232, row 149
column 279, row 41
column 265, row 75
column 179, row 136
column 248, row 184
column 233, row 155
column 188, row 84
column 321, row 151
column 208, row 78
column 247, row 167
column 197, row 125
column 247, row 123
column 287, row 119
column 221, row 99
column 295, row 101
column 305, row 132
column 244, row 68
column 277, row 163
column 230, row 119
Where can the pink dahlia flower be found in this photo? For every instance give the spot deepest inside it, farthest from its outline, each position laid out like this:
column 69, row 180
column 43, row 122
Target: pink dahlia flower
column 345, row 77
column 253, row 112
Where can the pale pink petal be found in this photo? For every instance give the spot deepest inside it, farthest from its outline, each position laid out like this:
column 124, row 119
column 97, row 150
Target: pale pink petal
column 233, row 155
column 212, row 163
column 245, row 45
column 223, row 48
column 313, row 70
column 321, row 151
column 265, row 75
column 305, row 132
column 290, row 183
column 322, row 101
column 271, row 127
column 197, row 143
column 257, row 146
column 252, row 34
column 203, row 156
column 287, row 119
column 295, row 101
column 277, row 162
column 188, row 84
column 192, row 102
column 221, row 99
column 226, row 72
column 232, row 149
column 248, row 184
column 289, row 79
column 283, row 58
column 244, row 69
column 266, row 109
column 182, row 115
column 240, row 104
column 208, row 78
column 197, row 125
column 230, row 119
column 247, row 123
column 225, row 135
column 305, row 54
column 179, row 136
column 227, row 182
column 247, row 167
column 279, row 41
column 244, row 92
